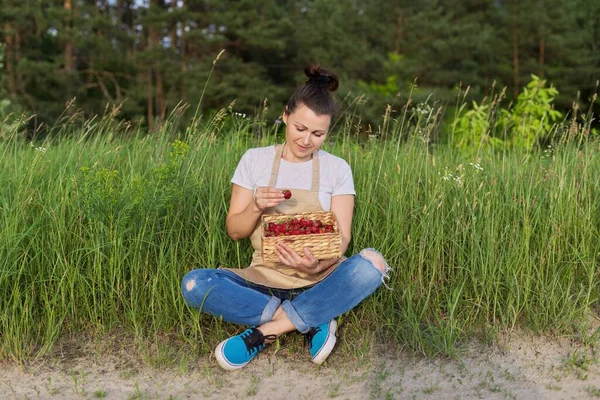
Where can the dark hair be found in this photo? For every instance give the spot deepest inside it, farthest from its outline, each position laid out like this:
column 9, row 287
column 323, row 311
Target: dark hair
column 316, row 93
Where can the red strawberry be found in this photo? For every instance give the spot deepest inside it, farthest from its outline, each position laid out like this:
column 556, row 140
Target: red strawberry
column 287, row 194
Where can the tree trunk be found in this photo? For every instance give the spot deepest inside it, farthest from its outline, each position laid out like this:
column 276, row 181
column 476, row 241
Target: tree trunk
column 17, row 58
column 542, row 56
column 119, row 14
column 399, row 28
column 183, row 55
column 160, row 96
column 92, row 58
column 9, row 60
column 68, row 43
column 174, row 27
column 153, row 93
column 20, row 85
column 149, row 101
column 515, row 52
column 154, row 45
column 17, row 53
column 128, row 21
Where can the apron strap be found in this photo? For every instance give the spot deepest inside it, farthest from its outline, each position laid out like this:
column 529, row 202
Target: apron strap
column 277, row 162
column 315, row 172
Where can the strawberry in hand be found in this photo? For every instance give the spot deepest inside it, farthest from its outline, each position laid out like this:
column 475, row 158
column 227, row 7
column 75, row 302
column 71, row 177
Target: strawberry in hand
column 287, row 194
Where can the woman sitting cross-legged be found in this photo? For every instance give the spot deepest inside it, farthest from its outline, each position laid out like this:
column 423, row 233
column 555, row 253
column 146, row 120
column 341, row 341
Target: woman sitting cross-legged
column 300, row 292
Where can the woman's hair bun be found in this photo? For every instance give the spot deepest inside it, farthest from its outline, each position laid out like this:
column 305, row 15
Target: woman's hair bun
column 316, row 93
column 321, row 77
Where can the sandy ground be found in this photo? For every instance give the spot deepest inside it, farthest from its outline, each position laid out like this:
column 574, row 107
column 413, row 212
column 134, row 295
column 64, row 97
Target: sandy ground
column 520, row 368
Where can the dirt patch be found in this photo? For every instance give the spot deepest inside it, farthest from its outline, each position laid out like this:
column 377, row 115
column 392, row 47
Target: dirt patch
column 521, row 367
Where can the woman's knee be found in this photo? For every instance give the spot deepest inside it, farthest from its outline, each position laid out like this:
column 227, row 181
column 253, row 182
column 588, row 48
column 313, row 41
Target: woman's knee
column 195, row 285
column 375, row 259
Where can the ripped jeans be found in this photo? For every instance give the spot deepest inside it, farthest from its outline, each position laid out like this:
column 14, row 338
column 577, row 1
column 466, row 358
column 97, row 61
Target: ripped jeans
column 224, row 294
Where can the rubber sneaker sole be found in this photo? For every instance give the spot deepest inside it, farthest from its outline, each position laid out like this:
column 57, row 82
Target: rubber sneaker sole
column 222, row 361
column 329, row 344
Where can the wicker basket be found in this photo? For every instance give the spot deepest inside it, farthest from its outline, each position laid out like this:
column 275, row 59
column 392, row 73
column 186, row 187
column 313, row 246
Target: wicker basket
column 322, row 245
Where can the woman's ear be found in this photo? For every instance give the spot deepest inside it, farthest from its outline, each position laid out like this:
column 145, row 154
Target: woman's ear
column 284, row 117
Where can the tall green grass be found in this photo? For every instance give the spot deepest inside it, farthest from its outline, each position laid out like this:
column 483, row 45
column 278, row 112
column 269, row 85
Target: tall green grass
column 98, row 228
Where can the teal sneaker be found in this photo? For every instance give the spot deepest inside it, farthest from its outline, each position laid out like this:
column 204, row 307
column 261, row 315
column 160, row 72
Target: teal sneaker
column 237, row 351
column 321, row 341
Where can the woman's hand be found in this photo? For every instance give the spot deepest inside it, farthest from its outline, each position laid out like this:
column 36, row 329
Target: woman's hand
column 307, row 263
column 265, row 197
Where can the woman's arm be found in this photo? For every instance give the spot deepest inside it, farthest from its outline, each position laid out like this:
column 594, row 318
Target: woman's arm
column 245, row 209
column 343, row 208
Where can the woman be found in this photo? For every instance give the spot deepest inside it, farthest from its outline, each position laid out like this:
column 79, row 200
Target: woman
column 300, row 292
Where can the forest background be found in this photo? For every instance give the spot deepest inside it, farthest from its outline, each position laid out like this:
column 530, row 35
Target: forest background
column 149, row 56
column 121, row 123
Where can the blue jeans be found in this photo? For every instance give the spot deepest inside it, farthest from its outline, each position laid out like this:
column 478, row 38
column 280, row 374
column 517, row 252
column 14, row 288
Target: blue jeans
column 224, row 294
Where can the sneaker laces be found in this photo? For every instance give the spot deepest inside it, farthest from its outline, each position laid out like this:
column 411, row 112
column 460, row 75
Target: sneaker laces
column 308, row 336
column 255, row 340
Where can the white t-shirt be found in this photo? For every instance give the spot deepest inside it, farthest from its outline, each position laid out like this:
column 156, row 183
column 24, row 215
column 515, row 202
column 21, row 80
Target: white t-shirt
column 335, row 175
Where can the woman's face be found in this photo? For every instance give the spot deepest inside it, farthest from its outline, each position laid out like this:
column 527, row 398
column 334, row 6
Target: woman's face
column 305, row 132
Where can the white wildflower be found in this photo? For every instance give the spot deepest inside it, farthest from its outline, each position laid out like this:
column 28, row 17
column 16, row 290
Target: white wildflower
column 476, row 166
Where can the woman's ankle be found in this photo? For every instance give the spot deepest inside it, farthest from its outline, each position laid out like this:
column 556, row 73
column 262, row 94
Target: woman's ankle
column 276, row 328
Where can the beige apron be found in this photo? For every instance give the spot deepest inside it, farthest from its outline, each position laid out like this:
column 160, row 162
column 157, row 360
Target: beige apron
column 279, row 275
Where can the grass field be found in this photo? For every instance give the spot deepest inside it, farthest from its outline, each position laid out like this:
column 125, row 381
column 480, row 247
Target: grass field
column 98, row 228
